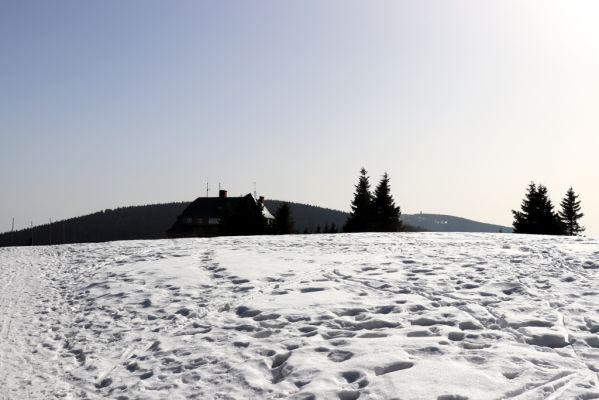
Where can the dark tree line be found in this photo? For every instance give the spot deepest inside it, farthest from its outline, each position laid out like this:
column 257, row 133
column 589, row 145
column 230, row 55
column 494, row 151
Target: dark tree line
column 307, row 218
column 373, row 212
column 126, row 223
column 152, row 222
column 538, row 216
column 284, row 223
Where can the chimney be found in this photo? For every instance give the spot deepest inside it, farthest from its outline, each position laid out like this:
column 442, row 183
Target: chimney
column 261, row 200
column 222, row 194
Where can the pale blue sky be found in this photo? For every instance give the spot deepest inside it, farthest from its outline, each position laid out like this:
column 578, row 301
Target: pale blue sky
column 114, row 103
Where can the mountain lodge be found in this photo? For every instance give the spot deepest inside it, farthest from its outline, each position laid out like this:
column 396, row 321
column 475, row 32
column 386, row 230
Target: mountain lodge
column 202, row 217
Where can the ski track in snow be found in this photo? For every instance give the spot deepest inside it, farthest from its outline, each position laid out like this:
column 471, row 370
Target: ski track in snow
column 348, row 316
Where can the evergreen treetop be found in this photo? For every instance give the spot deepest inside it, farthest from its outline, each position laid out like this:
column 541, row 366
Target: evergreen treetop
column 570, row 213
column 360, row 217
column 386, row 215
column 537, row 215
column 376, row 213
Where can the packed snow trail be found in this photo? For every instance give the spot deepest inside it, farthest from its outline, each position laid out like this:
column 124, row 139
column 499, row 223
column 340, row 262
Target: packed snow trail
column 33, row 311
column 347, row 316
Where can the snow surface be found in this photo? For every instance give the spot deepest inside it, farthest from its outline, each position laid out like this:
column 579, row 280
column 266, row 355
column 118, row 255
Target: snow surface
column 347, row 316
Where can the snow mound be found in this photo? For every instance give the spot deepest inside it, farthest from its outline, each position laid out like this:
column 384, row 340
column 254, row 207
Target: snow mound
column 347, row 316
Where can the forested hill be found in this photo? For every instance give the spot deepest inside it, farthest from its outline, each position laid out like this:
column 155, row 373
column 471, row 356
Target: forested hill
column 310, row 217
column 448, row 223
column 126, row 223
column 152, row 221
column 147, row 222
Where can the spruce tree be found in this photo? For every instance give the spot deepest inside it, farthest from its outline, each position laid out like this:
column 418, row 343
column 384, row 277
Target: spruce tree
column 386, row 215
column 537, row 215
column 549, row 221
column 284, row 223
column 360, row 217
column 570, row 213
column 522, row 219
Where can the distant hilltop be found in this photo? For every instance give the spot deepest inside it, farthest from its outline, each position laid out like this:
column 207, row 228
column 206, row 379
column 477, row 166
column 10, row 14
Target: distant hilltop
column 449, row 223
column 152, row 222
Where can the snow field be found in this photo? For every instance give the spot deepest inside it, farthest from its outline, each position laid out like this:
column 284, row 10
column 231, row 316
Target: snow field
column 347, row 316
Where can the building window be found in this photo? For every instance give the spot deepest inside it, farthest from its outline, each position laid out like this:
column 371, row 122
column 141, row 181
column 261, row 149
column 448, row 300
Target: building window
column 213, row 221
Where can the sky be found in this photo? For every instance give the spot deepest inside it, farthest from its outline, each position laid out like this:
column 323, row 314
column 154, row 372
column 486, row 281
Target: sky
column 116, row 103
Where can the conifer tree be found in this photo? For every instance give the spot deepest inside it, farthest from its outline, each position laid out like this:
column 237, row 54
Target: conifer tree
column 570, row 213
column 360, row 217
column 318, row 229
column 550, row 223
column 284, row 223
column 386, row 215
column 522, row 219
column 334, row 228
column 537, row 215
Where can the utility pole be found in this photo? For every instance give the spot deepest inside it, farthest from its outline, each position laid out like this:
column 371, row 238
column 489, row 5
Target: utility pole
column 207, row 188
column 255, row 192
column 13, row 224
column 50, row 231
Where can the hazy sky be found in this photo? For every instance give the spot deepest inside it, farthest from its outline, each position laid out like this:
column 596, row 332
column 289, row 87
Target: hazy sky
column 114, row 103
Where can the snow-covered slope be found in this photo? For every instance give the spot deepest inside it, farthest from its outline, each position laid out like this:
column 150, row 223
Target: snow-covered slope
column 348, row 316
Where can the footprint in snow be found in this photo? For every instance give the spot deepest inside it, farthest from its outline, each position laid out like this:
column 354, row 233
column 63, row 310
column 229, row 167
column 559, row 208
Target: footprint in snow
column 340, row 355
column 392, row 367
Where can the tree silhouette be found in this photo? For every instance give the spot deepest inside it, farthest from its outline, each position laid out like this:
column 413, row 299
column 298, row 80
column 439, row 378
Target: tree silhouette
column 360, row 218
column 522, row 219
column 537, row 215
column 284, row 223
column 386, row 215
column 570, row 213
